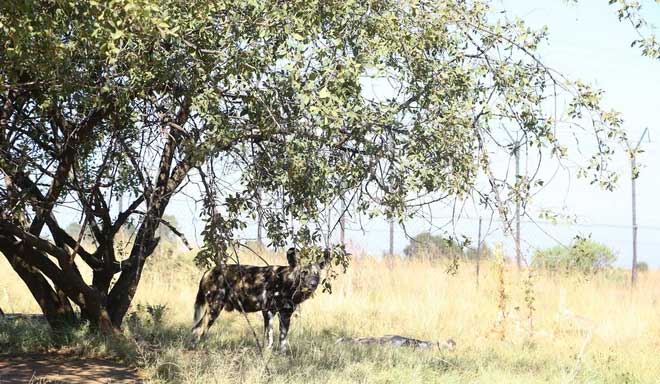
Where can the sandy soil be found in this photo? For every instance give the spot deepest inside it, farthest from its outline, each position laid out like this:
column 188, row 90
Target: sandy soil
column 52, row 368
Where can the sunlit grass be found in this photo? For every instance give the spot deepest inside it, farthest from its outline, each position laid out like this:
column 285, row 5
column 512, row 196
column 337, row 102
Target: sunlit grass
column 582, row 330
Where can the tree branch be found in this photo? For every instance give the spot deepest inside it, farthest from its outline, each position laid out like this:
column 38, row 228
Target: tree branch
column 66, row 163
column 123, row 216
column 173, row 229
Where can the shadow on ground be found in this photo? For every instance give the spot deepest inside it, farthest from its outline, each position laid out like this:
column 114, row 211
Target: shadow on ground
column 56, row 368
column 165, row 351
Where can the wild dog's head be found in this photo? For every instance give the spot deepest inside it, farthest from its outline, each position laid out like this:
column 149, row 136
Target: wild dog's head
column 307, row 277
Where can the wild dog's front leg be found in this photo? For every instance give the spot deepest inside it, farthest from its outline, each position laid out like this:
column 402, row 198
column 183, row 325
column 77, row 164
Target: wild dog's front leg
column 285, row 319
column 268, row 328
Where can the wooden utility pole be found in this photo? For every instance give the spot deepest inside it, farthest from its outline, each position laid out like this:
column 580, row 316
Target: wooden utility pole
column 392, row 237
column 121, row 209
column 259, row 225
column 478, row 250
column 342, row 223
column 518, row 256
column 516, row 152
column 633, row 176
column 259, row 222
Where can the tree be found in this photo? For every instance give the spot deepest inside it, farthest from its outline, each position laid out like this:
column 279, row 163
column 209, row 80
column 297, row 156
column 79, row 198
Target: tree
column 438, row 247
column 265, row 106
column 75, row 231
column 632, row 12
column 642, row 266
column 583, row 255
column 167, row 227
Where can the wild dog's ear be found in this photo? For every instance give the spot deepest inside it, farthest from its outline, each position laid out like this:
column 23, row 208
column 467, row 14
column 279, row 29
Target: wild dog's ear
column 291, row 257
column 325, row 259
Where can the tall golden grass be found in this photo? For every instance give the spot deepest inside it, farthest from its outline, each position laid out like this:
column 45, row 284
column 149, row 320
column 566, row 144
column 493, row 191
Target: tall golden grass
column 528, row 328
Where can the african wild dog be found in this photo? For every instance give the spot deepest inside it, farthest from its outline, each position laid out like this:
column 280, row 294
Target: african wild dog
column 248, row 288
column 399, row 341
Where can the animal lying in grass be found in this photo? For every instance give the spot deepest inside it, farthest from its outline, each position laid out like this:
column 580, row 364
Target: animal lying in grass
column 399, row 341
column 248, row 288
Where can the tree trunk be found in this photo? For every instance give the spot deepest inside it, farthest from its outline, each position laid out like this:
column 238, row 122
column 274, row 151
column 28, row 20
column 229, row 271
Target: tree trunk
column 96, row 312
column 30, row 255
column 123, row 291
column 53, row 303
column 53, row 299
column 54, row 287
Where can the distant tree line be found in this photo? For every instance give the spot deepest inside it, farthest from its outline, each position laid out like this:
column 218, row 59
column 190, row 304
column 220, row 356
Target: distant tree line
column 583, row 254
column 436, row 247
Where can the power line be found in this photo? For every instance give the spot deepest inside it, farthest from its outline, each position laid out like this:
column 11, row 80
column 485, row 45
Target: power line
column 543, row 222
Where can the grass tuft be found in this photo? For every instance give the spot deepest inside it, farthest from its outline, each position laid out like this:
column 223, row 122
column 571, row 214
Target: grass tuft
column 585, row 330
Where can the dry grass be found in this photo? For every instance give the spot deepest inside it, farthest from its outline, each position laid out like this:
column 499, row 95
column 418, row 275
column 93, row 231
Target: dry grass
column 582, row 330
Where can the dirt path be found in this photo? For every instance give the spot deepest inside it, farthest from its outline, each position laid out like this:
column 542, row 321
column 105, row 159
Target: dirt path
column 49, row 368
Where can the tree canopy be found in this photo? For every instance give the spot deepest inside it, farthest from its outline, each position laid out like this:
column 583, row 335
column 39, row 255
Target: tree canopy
column 634, row 13
column 437, row 247
column 276, row 107
column 583, row 255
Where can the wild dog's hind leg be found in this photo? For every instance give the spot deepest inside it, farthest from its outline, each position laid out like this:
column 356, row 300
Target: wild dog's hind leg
column 285, row 319
column 268, row 328
column 207, row 308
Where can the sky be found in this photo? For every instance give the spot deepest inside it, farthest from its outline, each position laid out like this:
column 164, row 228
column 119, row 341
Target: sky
column 587, row 42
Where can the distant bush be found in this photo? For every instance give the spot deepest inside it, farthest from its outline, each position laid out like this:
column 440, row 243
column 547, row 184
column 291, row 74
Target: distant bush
column 583, row 254
column 426, row 245
column 642, row 267
column 73, row 230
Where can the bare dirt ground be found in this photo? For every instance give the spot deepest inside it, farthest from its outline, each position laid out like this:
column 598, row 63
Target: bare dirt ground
column 52, row 368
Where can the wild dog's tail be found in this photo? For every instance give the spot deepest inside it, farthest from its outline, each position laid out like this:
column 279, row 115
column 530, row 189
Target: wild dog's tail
column 201, row 306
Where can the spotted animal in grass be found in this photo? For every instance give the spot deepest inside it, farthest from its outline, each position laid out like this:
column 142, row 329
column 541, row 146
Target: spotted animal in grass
column 400, row 341
column 248, row 288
